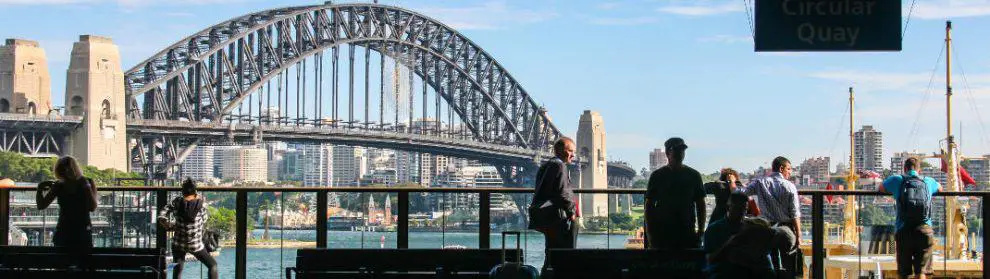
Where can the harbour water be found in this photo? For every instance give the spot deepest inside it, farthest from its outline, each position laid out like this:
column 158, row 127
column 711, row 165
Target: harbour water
column 270, row 263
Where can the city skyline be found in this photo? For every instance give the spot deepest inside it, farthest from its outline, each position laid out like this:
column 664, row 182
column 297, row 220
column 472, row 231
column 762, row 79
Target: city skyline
column 673, row 67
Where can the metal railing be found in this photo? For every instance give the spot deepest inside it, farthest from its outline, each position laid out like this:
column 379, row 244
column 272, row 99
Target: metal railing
column 484, row 213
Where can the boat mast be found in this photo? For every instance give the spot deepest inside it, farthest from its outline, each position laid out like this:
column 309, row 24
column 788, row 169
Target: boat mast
column 953, row 227
column 850, row 233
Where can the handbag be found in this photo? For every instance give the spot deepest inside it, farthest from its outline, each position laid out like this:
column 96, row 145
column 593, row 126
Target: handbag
column 211, row 240
column 545, row 215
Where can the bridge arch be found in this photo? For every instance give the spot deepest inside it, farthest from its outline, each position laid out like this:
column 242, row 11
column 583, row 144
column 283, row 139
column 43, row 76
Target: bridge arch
column 205, row 76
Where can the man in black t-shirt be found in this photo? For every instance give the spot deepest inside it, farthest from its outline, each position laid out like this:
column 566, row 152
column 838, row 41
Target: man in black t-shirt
column 675, row 202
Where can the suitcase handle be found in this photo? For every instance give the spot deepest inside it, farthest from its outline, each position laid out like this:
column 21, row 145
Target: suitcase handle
column 518, row 235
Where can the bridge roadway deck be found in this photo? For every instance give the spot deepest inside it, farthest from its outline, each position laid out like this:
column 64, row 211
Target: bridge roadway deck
column 241, row 133
column 17, row 121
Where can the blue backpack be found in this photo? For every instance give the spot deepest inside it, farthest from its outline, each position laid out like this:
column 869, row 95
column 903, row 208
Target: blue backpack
column 914, row 206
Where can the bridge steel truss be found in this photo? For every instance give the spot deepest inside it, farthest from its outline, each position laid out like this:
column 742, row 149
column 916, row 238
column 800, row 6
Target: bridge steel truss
column 211, row 76
column 38, row 136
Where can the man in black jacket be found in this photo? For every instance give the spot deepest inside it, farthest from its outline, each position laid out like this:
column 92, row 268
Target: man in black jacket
column 553, row 189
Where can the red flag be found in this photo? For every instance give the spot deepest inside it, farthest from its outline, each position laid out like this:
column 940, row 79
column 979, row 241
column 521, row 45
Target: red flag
column 828, row 197
column 963, row 174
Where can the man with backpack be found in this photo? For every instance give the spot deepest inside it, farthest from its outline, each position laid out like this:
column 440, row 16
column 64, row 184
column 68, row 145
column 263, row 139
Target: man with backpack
column 914, row 234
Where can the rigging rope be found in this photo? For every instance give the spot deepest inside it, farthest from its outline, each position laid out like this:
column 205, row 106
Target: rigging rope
column 911, row 138
column 838, row 131
column 972, row 100
column 749, row 17
column 908, row 20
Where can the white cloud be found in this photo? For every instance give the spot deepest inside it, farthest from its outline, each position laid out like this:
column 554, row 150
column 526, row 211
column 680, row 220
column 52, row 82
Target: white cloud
column 179, row 14
column 943, row 9
column 623, row 21
column 727, row 39
column 122, row 3
column 703, row 9
column 906, row 82
column 42, row 2
column 608, row 5
column 490, row 15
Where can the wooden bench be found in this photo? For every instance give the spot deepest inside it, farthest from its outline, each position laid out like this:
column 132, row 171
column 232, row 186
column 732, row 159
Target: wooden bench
column 396, row 263
column 624, row 264
column 36, row 262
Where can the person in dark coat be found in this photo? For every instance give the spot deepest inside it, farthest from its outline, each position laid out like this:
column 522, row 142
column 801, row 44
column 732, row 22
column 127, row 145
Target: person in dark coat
column 77, row 197
column 553, row 189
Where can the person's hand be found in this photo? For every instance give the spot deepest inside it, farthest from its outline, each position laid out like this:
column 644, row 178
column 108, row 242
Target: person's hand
column 45, row 185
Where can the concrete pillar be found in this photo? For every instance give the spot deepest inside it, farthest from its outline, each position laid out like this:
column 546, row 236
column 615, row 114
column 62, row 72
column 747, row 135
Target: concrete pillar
column 594, row 167
column 25, row 85
column 94, row 89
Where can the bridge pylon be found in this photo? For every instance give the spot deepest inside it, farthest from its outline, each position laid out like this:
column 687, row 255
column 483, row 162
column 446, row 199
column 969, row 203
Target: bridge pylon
column 25, row 85
column 94, row 89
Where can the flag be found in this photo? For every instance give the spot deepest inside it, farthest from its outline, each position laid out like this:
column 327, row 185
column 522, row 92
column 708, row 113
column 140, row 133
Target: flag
column 963, row 174
column 828, row 198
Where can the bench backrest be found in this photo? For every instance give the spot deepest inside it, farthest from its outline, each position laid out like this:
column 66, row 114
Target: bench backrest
column 33, row 257
column 600, row 263
column 399, row 260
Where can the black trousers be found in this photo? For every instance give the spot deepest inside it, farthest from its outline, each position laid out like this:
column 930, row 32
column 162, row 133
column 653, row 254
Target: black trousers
column 787, row 264
column 563, row 236
column 204, row 257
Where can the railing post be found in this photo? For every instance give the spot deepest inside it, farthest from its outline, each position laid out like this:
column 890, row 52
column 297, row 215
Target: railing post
column 403, row 227
column 4, row 216
column 321, row 219
column 240, row 263
column 817, row 236
column 161, row 238
column 484, row 220
column 986, row 240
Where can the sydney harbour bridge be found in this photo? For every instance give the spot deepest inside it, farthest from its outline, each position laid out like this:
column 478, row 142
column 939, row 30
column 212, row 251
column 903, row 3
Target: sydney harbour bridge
column 351, row 74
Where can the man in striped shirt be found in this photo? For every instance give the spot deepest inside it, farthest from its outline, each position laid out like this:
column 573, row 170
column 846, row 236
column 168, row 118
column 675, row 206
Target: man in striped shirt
column 778, row 201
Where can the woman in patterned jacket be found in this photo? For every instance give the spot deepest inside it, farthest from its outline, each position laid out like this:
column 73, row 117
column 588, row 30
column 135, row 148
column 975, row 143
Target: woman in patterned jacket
column 189, row 211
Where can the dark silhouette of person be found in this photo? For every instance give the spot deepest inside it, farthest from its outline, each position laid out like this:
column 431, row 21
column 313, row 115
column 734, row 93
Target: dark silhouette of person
column 675, row 202
column 190, row 215
column 728, row 182
column 720, row 231
column 77, row 197
column 553, row 189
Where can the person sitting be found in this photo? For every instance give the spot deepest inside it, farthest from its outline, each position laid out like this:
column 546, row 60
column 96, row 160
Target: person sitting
column 719, row 231
column 747, row 254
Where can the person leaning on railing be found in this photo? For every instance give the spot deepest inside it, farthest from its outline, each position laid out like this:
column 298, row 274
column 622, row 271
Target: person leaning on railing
column 553, row 210
column 77, row 197
column 914, row 235
column 189, row 212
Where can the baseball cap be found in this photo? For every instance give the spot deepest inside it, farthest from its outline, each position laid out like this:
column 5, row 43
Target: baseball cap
column 673, row 143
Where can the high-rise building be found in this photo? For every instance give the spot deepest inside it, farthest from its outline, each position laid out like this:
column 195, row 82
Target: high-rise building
column 431, row 166
column 979, row 169
column 276, row 156
column 817, row 169
column 317, row 165
column 198, row 166
column 869, row 149
column 407, row 167
column 245, row 164
column 219, row 153
column 291, row 168
column 349, row 165
column 897, row 161
column 658, row 159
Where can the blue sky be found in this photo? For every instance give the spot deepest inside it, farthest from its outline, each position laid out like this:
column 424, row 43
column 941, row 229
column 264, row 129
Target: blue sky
column 653, row 68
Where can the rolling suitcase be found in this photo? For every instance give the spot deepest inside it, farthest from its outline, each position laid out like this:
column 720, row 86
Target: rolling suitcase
column 513, row 270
